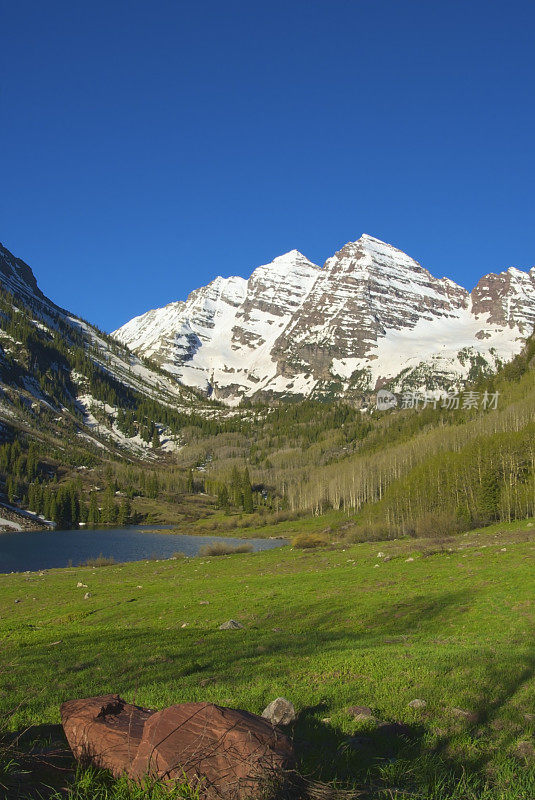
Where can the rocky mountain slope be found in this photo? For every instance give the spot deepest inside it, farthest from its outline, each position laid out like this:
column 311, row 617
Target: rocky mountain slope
column 59, row 373
column 370, row 317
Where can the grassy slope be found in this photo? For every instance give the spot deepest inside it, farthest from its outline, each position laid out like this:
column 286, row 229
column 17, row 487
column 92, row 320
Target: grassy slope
column 327, row 629
column 219, row 523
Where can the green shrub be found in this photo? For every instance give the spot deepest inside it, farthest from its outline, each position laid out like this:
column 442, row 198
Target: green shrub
column 224, row 549
column 439, row 524
column 306, row 541
column 100, row 561
column 367, row 532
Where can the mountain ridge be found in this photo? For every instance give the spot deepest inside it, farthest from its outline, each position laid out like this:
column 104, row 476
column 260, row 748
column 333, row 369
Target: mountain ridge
column 370, row 316
column 60, row 375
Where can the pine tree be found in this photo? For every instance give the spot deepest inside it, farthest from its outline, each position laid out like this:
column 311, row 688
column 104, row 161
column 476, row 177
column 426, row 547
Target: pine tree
column 32, row 498
column 489, row 495
column 247, row 493
column 50, row 513
column 125, row 511
column 63, row 517
column 152, row 486
column 236, row 488
column 75, row 504
column 93, row 514
column 222, row 497
column 10, row 489
column 109, row 509
column 190, row 486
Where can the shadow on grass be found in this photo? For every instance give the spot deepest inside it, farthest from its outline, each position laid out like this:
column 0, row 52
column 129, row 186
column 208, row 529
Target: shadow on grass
column 35, row 762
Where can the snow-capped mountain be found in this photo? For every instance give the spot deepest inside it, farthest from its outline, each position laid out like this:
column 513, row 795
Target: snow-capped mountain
column 371, row 316
column 224, row 334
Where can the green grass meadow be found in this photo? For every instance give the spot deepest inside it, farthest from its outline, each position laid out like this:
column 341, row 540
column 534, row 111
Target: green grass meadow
column 327, row 629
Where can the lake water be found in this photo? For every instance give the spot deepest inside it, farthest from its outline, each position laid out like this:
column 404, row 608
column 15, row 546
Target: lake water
column 34, row 550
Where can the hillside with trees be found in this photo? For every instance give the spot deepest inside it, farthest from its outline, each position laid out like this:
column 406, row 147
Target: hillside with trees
column 409, row 471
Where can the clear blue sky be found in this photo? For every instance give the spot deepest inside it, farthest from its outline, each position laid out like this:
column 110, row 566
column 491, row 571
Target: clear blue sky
column 149, row 146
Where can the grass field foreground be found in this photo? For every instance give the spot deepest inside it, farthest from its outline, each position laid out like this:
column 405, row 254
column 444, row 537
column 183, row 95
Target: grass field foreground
column 374, row 624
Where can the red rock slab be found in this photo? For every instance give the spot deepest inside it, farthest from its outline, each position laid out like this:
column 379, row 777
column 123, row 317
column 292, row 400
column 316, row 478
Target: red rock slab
column 104, row 730
column 228, row 751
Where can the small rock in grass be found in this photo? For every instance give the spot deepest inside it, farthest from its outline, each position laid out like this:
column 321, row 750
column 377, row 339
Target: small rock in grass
column 280, row 712
column 409, row 559
column 231, row 625
column 81, row 585
column 461, row 713
column 525, row 749
column 360, row 712
column 204, row 602
column 87, row 595
column 184, row 625
column 326, row 720
column 277, row 630
column 417, row 703
column 380, row 555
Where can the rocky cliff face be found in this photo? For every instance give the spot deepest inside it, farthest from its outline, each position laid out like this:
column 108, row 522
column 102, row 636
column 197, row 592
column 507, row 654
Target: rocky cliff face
column 371, row 316
column 17, row 278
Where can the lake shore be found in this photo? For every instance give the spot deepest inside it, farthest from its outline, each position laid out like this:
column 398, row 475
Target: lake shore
column 23, row 551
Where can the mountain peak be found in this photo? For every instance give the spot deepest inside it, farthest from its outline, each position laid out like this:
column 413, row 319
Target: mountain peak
column 291, row 258
column 290, row 262
column 292, row 254
column 367, row 238
column 17, row 277
column 378, row 246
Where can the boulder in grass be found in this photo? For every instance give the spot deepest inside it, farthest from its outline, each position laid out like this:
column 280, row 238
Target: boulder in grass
column 228, row 753
column 231, row 625
column 360, row 712
column 280, row 712
column 417, row 704
column 224, row 752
